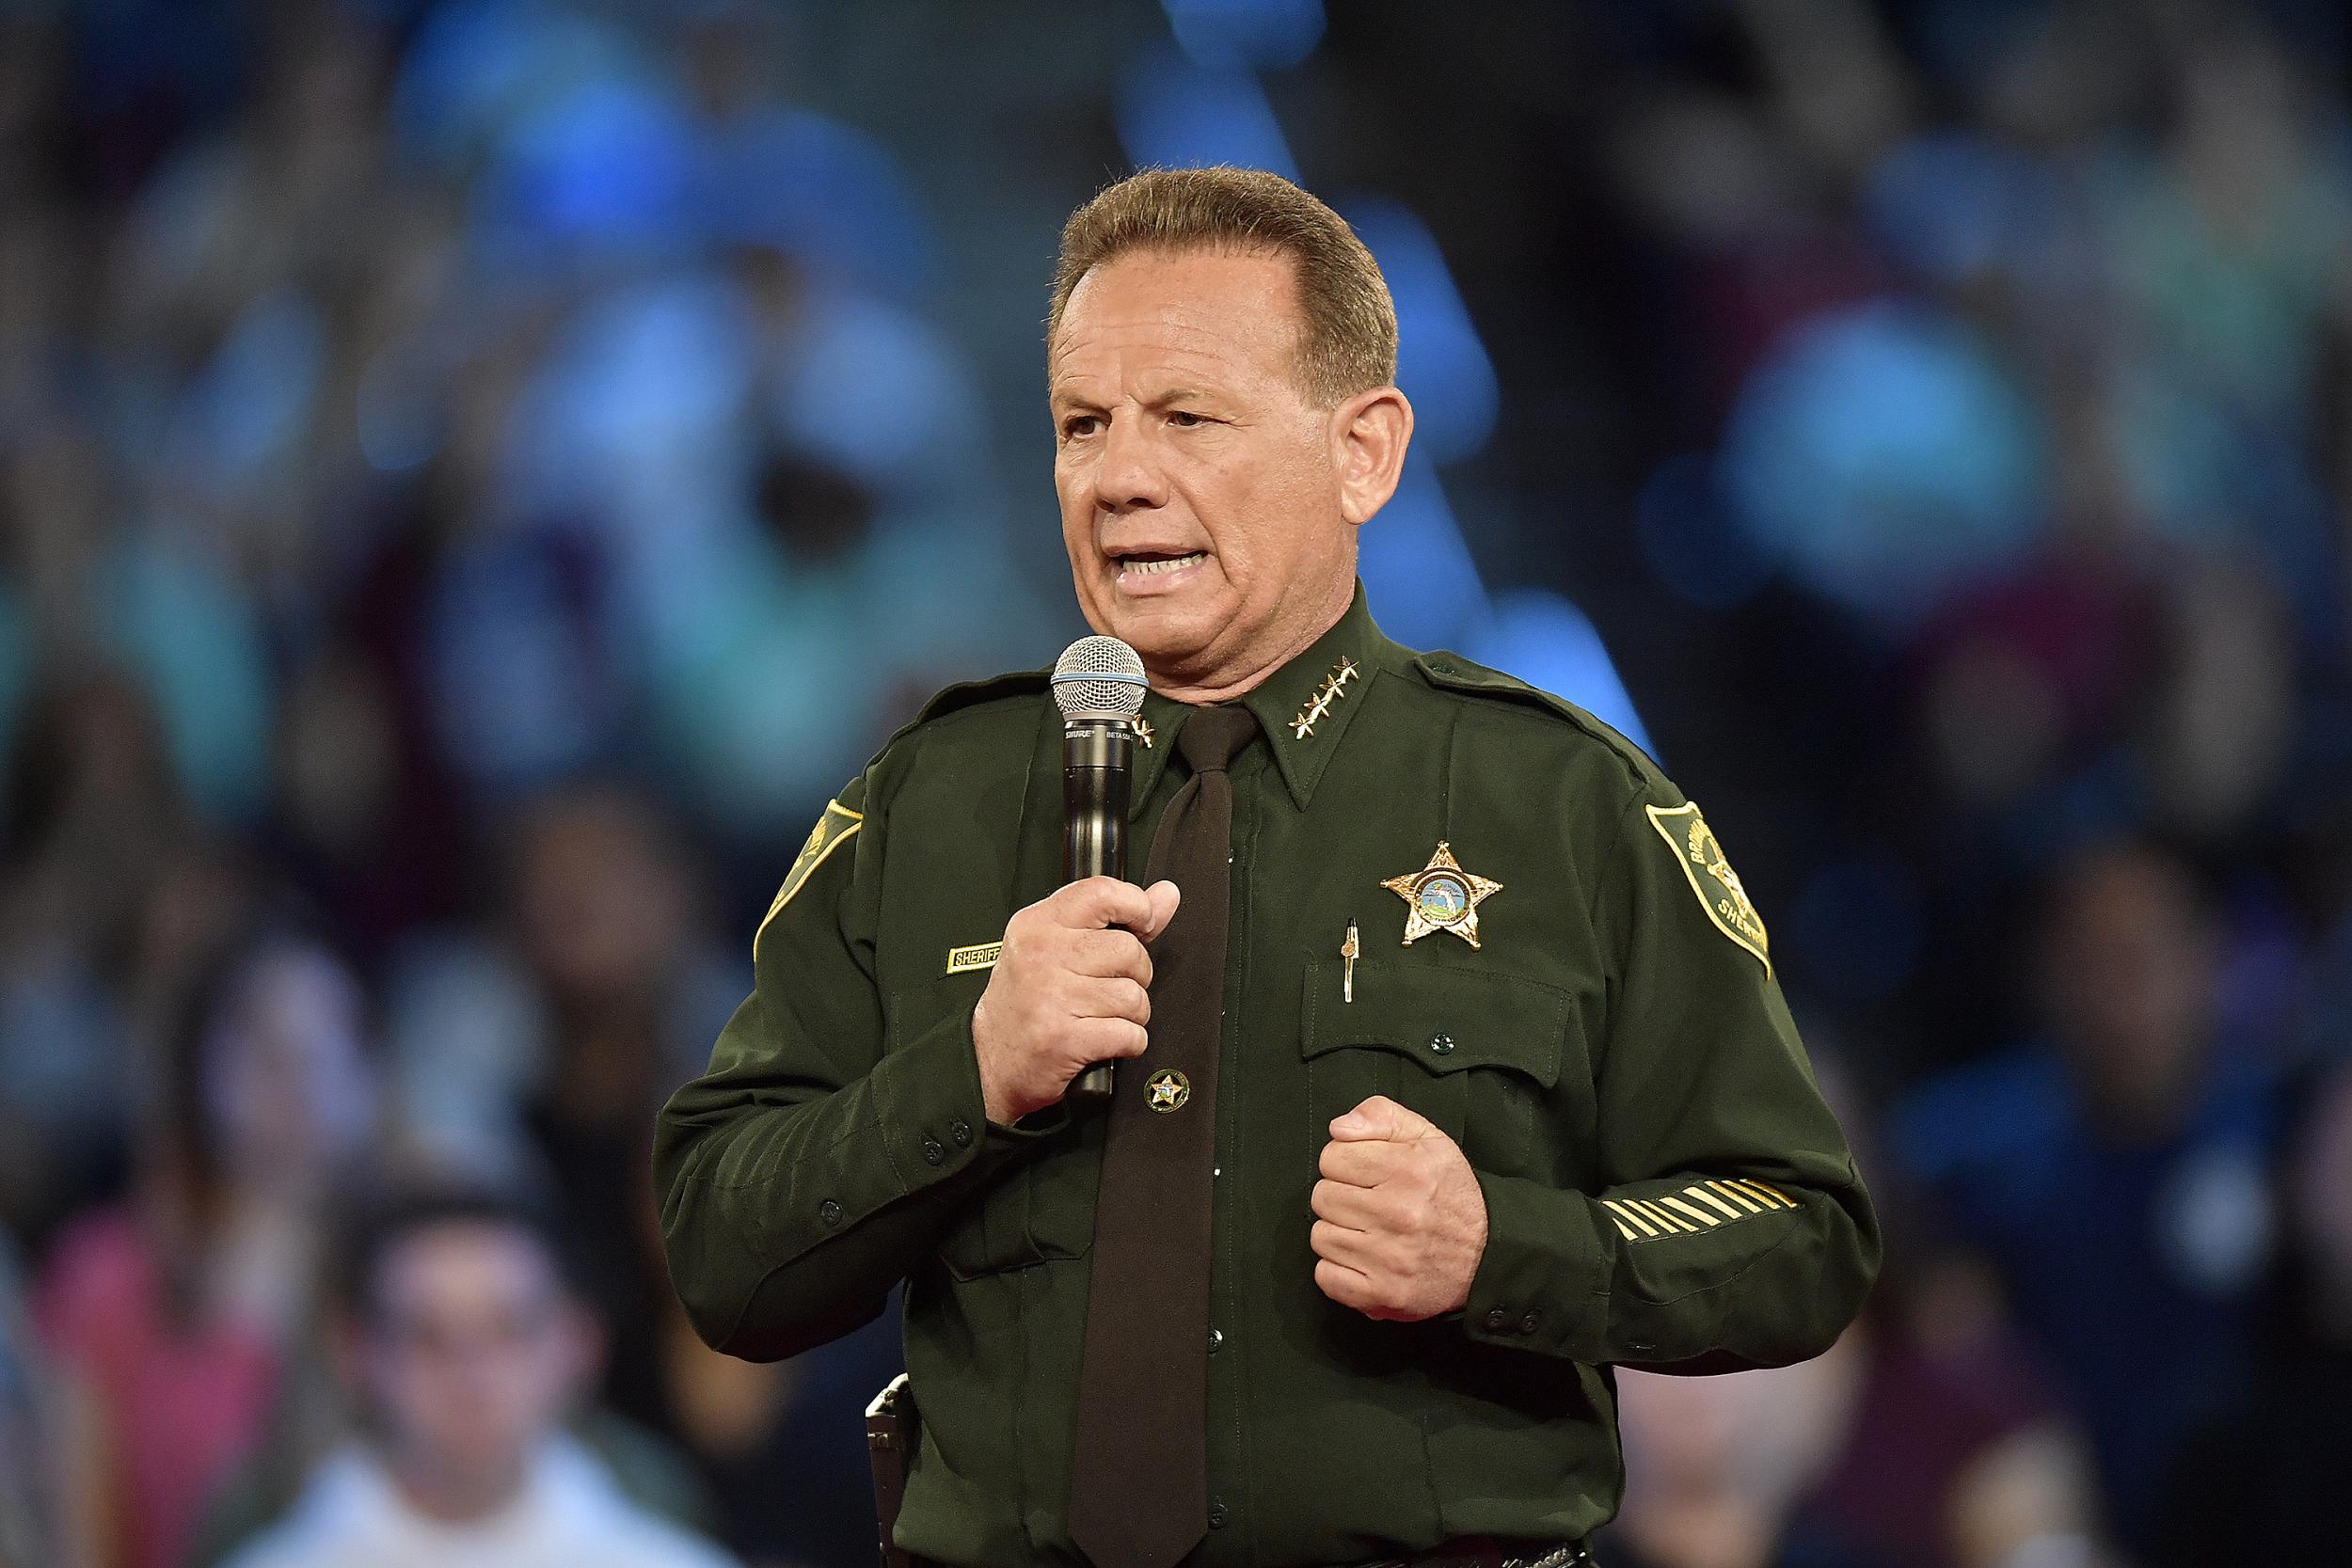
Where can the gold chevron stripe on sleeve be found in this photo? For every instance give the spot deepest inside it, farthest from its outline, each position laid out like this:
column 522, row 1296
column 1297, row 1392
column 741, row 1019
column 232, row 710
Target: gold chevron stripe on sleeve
column 1627, row 1211
column 1772, row 1198
column 1691, row 1211
column 1624, row 1230
column 1747, row 1205
column 1702, row 1196
column 1663, row 1217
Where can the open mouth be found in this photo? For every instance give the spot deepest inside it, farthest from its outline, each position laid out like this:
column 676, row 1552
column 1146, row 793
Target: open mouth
column 1146, row 564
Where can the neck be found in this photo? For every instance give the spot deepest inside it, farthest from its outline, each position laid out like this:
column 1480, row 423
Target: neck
column 1241, row 676
column 452, row 1494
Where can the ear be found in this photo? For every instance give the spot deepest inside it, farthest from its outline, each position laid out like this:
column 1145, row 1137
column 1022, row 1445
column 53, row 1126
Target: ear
column 1369, row 435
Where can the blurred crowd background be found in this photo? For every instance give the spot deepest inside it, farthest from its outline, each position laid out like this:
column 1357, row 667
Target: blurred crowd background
column 475, row 476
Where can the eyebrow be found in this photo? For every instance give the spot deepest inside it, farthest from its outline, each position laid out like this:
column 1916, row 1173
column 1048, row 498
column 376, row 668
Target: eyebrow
column 1061, row 397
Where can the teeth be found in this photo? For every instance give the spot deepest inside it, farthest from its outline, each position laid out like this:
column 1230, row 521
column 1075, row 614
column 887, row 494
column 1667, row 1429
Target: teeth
column 1145, row 568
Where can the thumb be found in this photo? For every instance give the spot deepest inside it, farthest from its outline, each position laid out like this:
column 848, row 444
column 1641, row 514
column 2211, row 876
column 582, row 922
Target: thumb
column 1165, row 896
column 1381, row 1118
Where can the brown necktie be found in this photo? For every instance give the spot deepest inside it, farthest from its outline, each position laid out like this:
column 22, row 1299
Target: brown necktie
column 1139, row 1482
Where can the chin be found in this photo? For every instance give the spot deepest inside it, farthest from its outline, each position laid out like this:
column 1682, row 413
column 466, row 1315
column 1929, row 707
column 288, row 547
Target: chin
column 1165, row 635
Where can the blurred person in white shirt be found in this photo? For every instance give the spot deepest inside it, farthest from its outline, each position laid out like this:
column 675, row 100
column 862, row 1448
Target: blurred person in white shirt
column 466, row 1350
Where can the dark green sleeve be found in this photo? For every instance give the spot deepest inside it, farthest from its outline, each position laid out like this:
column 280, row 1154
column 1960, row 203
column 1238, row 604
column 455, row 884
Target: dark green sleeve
column 1731, row 1229
column 817, row 1162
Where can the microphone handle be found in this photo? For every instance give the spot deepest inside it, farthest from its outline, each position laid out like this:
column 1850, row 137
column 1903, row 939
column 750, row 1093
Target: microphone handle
column 1098, row 757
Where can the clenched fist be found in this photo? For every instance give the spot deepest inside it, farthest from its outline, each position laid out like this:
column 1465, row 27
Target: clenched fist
column 1400, row 1220
column 1070, row 990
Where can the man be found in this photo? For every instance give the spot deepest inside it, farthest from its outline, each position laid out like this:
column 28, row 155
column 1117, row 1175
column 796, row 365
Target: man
column 2139, row 1106
column 467, row 1350
column 1451, row 1065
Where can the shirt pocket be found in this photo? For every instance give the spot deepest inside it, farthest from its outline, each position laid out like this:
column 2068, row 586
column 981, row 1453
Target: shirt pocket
column 1473, row 1051
column 1040, row 1207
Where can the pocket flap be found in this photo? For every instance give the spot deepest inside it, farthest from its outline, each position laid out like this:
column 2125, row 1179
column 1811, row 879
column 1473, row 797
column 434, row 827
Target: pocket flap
column 1445, row 1018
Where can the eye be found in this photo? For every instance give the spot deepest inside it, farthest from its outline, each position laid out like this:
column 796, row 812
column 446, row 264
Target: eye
column 1184, row 419
column 1078, row 425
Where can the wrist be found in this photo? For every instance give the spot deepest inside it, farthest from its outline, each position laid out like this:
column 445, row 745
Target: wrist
column 993, row 1103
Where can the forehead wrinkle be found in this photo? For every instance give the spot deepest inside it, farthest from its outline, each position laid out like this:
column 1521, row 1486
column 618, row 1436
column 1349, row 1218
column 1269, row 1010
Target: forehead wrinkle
column 1153, row 382
column 1129, row 354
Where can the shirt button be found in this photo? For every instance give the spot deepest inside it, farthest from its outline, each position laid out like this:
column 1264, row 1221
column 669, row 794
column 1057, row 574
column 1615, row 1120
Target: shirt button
column 961, row 1131
column 1498, row 1321
column 1217, row 1341
column 1528, row 1325
column 1441, row 1044
column 1217, row 1516
column 829, row 1212
column 933, row 1150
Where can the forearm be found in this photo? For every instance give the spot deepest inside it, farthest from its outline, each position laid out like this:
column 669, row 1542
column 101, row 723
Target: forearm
column 788, row 1215
column 1710, row 1271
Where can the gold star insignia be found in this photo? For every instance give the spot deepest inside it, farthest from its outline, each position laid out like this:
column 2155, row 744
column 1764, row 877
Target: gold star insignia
column 1143, row 731
column 1303, row 722
column 1166, row 1090
column 1441, row 896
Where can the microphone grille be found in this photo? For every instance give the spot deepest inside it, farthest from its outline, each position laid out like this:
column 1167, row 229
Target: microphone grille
column 1099, row 676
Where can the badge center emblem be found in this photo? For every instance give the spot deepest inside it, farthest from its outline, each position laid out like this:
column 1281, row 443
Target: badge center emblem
column 1166, row 1090
column 1441, row 896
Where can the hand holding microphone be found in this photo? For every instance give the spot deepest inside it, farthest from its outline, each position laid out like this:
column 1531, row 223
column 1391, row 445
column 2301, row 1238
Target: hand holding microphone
column 1069, row 992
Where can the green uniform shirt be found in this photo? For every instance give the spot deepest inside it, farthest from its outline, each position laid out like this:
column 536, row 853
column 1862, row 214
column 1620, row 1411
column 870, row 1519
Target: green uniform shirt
column 1663, row 1183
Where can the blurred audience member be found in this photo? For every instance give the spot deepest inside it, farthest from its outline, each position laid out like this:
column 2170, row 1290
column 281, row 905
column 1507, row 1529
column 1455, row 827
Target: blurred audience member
column 552, row 1049
column 1927, row 1441
column 467, row 1350
column 1954, row 1454
column 2261, row 1481
column 171, row 1315
column 89, row 820
column 2114, row 1177
column 1714, row 1465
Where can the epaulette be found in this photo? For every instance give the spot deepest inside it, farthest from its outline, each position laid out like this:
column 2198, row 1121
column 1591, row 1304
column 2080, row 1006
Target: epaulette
column 971, row 694
column 964, row 694
column 1451, row 670
column 960, row 697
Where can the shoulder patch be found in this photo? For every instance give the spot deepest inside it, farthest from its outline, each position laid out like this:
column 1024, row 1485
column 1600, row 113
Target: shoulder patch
column 1712, row 878
column 836, row 826
column 1453, row 672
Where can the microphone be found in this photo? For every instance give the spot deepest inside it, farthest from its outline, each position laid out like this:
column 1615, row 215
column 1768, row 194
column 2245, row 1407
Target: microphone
column 1098, row 685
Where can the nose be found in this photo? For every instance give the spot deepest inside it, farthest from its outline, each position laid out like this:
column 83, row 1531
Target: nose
column 1130, row 477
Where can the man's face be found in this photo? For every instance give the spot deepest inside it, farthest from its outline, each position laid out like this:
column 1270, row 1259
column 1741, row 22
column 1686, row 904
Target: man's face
column 2129, row 971
column 1201, row 497
column 473, row 1350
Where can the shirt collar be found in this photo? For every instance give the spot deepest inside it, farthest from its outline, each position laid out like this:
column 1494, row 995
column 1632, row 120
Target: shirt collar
column 1302, row 725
